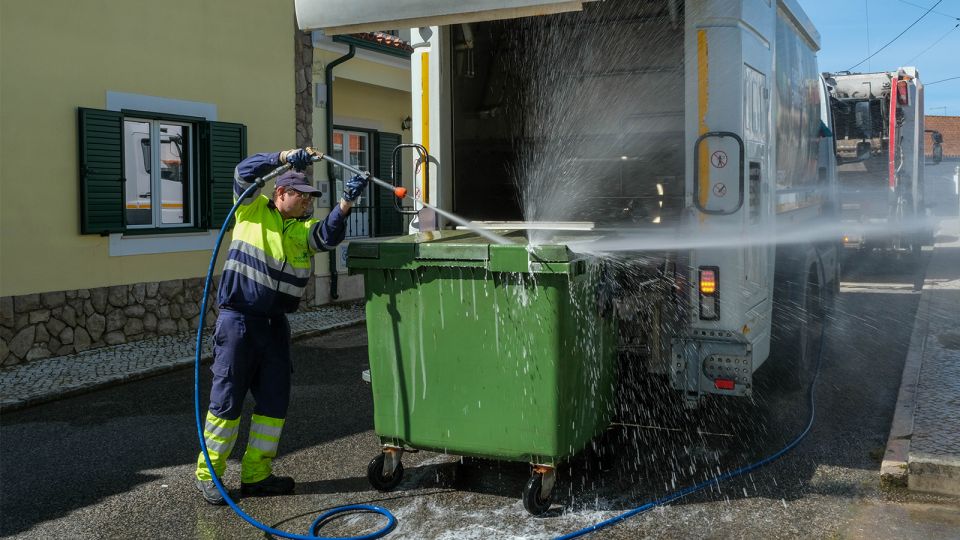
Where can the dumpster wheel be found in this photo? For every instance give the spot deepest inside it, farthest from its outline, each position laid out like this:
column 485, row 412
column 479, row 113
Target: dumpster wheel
column 380, row 481
column 537, row 494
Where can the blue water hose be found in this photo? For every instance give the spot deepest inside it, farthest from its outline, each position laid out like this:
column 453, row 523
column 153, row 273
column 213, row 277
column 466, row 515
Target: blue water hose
column 322, row 519
column 716, row 479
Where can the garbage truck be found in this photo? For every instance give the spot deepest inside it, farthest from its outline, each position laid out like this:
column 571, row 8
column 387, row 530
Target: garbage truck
column 880, row 160
column 681, row 150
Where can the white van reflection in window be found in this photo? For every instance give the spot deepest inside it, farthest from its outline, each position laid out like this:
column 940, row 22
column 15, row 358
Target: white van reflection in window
column 156, row 200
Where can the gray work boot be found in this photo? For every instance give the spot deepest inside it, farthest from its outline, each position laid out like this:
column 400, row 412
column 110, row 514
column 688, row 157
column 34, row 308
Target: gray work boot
column 271, row 485
column 209, row 491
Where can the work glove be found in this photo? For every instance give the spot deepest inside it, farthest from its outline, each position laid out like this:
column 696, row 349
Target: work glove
column 298, row 158
column 354, row 187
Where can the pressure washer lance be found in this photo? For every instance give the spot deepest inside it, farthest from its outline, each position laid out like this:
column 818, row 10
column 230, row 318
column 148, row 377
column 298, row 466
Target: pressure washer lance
column 401, row 193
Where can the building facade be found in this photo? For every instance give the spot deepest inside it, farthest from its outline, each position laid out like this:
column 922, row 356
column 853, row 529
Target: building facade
column 371, row 106
column 121, row 124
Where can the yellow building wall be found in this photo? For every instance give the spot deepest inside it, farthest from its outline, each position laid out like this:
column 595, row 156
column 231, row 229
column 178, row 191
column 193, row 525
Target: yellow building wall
column 57, row 55
column 388, row 107
column 374, row 99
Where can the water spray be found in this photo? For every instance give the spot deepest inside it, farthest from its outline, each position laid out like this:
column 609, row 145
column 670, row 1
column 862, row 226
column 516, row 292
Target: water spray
column 719, row 478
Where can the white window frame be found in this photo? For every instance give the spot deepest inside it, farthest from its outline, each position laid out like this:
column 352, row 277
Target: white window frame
column 361, row 212
column 123, row 245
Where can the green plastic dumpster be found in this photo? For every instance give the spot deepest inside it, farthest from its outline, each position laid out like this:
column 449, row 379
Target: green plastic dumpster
column 484, row 349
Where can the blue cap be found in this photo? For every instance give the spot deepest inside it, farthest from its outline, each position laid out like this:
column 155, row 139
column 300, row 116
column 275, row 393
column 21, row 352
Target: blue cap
column 298, row 181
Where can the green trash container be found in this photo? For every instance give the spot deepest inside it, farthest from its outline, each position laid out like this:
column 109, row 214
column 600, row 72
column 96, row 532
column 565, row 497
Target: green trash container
column 487, row 350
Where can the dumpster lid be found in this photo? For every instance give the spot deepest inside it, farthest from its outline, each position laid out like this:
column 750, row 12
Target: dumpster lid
column 468, row 245
column 458, row 245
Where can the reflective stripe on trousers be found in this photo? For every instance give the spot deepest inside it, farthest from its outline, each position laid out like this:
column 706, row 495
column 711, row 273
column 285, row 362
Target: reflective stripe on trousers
column 220, row 435
column 257, row 462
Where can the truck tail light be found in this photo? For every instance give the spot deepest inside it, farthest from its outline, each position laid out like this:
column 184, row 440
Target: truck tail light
column 709, row 293
column 903, row 97
column 708, row 281
column 724, row 384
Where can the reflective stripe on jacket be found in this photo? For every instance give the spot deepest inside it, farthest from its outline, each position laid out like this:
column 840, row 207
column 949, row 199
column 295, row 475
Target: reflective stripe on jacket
column 271, row 259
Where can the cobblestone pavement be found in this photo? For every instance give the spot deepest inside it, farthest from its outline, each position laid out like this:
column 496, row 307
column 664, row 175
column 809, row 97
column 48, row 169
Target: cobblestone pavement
column 53, row 378
column 934, row 456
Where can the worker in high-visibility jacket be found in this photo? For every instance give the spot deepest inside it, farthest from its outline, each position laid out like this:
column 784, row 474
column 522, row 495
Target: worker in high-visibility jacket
column 267, row 270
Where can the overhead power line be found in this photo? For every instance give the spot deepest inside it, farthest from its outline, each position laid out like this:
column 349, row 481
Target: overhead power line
column 866, row 16
column 941, row 80
column 896, row 38
column 924, row 7
column 910, row 61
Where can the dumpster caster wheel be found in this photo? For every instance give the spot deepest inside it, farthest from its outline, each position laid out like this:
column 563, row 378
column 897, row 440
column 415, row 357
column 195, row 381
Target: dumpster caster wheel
column 376, row 477
column 534, row 500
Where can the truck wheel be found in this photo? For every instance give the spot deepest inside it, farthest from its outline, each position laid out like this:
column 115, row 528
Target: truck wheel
column 812, row 330
column 376, row 478
column 533, row 501
column 916, row 252
column 797, row 346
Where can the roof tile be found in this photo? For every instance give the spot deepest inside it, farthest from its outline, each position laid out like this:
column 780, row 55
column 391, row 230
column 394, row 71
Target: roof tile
column 385, row 39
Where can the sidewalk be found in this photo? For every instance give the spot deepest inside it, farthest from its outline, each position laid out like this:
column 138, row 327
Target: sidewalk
column 54, row 378
column 923, row 451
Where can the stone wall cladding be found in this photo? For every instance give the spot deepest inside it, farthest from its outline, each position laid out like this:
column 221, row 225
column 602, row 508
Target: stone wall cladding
column 35, row 326
column 303, row 74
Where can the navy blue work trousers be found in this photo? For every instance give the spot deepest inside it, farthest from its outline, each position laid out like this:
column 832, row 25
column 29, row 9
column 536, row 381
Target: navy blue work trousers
column 250, row 353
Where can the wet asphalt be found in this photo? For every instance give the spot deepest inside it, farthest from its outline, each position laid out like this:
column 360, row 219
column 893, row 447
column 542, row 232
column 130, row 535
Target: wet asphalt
column 117, row 463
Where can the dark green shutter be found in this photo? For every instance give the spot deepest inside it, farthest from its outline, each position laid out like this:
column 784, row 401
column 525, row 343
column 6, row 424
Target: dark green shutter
column 101, row 171
column 224, row 146
column 389, row 222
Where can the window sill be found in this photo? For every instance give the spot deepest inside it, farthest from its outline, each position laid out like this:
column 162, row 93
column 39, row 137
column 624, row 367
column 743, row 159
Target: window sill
column 150, row 241
column 161, row 232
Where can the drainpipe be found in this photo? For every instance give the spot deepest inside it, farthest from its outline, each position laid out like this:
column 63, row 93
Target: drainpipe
column 674, row 13
column 334, row 200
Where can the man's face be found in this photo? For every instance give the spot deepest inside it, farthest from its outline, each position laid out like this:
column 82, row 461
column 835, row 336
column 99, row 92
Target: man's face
column 291, row 203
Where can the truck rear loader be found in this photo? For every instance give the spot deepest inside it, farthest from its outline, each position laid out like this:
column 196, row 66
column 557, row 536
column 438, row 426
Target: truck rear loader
column 880, row 137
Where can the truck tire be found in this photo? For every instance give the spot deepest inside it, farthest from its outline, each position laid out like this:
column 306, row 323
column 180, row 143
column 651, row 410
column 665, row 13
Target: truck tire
column 798, row 325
